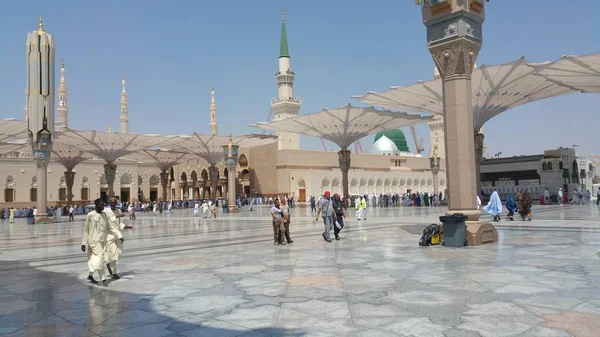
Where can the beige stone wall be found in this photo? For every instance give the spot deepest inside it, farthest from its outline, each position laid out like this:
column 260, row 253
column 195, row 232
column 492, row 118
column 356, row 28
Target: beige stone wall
column 21, row 171
column 263, row 173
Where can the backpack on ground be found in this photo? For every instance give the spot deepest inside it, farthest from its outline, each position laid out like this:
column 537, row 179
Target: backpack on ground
column 431, row 235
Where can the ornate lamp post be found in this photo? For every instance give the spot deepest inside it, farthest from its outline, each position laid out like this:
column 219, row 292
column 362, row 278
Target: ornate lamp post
column 231, row 159
column 434, row 164
column 454, row 38
column 41, row 146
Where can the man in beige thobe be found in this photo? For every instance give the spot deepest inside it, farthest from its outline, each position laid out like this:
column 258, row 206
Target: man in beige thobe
column 94, row 240
column 114, row 238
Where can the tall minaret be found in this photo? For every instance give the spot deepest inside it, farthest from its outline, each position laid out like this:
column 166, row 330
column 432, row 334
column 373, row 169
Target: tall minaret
column 286, row 106
column 40, row 79
column 40, row 108
column 124, row 109
column 63, row 107
column 213, row 113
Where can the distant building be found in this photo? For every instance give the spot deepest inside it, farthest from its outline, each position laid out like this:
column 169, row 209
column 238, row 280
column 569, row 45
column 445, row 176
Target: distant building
column 559, row 168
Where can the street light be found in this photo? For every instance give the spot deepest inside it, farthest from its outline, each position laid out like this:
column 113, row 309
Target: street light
column 231, row 156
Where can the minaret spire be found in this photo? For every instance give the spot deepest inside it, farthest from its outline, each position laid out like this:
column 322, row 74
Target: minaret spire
column 63, row 106
column 283, row 47
column 213, row 113
column 286, row 106
column 124, row 108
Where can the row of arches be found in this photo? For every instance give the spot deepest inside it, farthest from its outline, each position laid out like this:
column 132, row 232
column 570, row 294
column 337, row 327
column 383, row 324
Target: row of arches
column 364, row 185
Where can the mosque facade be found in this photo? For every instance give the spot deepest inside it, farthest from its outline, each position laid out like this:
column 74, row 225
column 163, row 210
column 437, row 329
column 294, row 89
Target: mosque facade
column 275, row 169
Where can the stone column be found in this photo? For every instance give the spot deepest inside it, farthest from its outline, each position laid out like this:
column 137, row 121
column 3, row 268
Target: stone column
column 69, row 180
column 344, row 161
column 110, row 170
column 213, row 173
column 164, row 181
column 190, row 192
column 455, row 61
column 41, row 164
column 231, row 190
column 478, row 156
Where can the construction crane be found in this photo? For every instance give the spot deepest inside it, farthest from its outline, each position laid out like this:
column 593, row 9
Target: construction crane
column 358, row 147
column 418, row 144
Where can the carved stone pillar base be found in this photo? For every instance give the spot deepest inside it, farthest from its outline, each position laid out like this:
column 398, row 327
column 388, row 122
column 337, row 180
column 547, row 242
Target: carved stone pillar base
column 479, row 233
column 41, row 219
column 233, row 209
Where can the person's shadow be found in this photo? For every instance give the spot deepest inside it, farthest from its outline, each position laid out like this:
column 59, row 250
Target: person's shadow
column 37, row 302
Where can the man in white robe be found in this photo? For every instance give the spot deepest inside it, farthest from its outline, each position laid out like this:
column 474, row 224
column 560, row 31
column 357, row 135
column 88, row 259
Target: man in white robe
column 196, row 209
column 205, row 209
column 94, row 240
column 114, row 238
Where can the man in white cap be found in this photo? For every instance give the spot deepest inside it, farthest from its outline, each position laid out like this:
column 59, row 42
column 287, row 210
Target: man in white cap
column 94, row 240
column 114, row 238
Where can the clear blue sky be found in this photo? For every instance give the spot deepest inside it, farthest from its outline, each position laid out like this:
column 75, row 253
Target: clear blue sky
column 171, row 52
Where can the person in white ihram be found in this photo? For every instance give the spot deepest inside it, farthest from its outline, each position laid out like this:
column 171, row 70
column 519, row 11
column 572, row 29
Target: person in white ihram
column 114, row 238
column 196, row 209
column 94, row 241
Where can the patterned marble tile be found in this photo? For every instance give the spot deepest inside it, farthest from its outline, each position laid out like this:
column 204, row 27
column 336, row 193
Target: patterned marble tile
column 224, row 277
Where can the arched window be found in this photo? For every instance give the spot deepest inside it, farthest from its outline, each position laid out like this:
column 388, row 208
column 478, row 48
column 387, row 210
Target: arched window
column 549, row 166
column 544, row 166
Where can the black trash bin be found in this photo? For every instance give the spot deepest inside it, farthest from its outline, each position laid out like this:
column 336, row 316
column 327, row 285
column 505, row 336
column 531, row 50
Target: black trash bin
column 454, row 230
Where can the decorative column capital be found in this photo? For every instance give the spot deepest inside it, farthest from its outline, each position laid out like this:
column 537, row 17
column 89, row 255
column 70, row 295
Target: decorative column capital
column 455, row 60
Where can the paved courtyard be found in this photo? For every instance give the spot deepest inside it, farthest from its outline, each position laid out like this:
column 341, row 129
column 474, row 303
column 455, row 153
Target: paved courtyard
column 184, row 276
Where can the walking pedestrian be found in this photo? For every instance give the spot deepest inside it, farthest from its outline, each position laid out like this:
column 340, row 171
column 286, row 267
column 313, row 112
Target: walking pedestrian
column 325, row 208
column 338, row 208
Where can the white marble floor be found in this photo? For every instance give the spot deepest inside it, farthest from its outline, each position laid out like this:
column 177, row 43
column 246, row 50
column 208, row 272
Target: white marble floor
column 184, row 276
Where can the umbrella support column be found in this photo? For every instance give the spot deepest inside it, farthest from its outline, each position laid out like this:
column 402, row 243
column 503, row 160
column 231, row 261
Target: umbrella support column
column 344, row 161
column 454, row 60
column 478, row 156
column 69, row 180
column 110, row 171
column 213, row 173
column 164, row 181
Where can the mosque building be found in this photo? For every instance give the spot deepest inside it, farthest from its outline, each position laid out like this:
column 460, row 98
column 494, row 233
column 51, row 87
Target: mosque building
column 275, row 169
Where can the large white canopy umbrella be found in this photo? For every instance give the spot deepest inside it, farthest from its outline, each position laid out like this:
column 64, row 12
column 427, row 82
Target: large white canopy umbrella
column 495, row 89
column 581, row 73
column 210, row 148
column 164, row 159
column 110, row 146
column 343, row 126
column 12, row 130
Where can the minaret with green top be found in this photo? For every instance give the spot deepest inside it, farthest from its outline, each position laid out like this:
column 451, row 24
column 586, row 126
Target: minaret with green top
column 286, row 106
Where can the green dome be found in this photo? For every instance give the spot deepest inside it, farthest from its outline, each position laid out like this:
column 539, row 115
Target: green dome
column 396, row 136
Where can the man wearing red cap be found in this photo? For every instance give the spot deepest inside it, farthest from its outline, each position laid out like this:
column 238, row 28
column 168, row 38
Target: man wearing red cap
column 325, row 208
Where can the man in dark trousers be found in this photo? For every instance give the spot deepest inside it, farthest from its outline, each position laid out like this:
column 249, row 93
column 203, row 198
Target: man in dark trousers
column 338, row 208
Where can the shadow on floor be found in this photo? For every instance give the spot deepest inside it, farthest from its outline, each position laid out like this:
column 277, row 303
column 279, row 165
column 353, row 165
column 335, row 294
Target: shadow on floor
column 36, row 302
